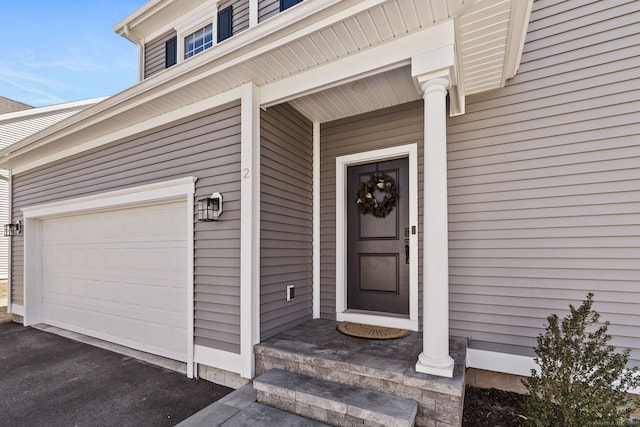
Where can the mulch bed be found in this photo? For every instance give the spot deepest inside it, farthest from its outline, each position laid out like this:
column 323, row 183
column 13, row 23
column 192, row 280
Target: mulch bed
column 492, row 407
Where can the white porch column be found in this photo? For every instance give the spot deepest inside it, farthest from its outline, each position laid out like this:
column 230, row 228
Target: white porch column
column 435, row 358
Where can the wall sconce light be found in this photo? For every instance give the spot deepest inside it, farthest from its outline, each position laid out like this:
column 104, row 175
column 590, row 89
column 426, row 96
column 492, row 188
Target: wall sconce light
column 210, row 208
column 13, row 229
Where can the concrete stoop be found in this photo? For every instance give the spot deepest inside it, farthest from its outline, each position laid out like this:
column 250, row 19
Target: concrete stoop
column 317, row 351
column 331, row 402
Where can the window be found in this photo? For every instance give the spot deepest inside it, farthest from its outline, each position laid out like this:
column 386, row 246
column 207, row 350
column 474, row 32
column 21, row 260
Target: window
column 198, row 41
column 225, row 23
column 170, row 52
column 286, row 4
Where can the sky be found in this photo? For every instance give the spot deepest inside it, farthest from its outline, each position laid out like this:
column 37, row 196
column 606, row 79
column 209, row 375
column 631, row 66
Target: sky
column 56, row 51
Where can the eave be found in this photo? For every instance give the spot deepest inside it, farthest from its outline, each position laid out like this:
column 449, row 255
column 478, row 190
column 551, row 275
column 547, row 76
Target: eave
column 307, row 40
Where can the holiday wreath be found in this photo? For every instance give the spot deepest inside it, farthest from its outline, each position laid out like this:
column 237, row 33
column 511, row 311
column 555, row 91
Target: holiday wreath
column 366, row 201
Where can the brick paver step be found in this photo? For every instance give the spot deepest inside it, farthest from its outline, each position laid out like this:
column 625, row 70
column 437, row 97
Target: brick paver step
column 331, row 402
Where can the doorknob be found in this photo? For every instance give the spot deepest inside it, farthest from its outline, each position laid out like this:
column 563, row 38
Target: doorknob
column 406, row 250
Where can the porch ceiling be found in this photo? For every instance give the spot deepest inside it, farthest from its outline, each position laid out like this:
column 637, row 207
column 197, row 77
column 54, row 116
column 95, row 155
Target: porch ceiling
column 489, row 39
column 372, row 93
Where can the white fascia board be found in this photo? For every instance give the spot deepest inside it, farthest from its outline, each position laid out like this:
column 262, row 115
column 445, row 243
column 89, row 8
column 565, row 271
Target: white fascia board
column 180, row 187
column 389, row 55
column 40, row 111
column 151, row 6
column 186, row 111
column 521, row 14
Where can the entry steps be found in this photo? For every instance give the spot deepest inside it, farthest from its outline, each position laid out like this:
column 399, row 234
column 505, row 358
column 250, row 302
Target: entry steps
column 240, row 409
column 331, row 402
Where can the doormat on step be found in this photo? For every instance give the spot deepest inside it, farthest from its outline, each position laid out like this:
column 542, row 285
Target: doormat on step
column 371, row 332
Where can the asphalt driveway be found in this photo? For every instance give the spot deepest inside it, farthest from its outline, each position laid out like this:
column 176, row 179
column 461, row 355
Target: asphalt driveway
column 48, row 380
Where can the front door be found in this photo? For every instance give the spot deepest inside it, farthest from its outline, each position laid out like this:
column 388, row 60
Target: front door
column 378, row 237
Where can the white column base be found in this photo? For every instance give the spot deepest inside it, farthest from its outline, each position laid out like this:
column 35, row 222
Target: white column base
column 441, row 368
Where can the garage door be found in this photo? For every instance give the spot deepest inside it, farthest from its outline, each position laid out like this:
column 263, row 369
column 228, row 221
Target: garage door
column 119, row 275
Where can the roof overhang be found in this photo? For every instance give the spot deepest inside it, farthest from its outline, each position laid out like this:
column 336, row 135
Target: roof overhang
column 152, row 15
column 320, row 48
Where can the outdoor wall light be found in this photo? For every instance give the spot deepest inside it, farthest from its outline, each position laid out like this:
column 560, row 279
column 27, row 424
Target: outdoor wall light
column 210, row 209
column 13, row 229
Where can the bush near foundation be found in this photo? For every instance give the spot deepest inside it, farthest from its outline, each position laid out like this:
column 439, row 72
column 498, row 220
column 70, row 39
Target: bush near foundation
column 582, row 380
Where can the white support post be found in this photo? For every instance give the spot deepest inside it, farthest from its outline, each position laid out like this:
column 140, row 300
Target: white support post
column 435, row 358
column 249, row 228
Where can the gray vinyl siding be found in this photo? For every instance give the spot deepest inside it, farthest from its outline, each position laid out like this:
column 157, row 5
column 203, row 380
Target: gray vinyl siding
column 381, row 129
column 207, row 147
column 286, row 219
column 544, row 183
column 155, row 55
column 240, row 14
column 267, row 9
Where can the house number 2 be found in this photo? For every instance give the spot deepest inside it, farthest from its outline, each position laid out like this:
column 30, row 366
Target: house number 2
column 245, row 173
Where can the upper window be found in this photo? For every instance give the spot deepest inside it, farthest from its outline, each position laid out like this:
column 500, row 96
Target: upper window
column 286, row 4
column 225, row 23
column 198, row 41
column 170, row 49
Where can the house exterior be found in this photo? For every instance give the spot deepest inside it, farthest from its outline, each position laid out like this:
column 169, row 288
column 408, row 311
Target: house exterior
column 17, row 121
column 508, row 129
column 10, row 106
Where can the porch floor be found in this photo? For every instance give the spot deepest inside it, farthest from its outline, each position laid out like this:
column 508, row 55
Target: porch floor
column 317, row 349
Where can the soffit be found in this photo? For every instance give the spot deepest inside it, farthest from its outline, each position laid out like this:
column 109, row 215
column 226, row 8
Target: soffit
column 309, row 36
column 483, row 36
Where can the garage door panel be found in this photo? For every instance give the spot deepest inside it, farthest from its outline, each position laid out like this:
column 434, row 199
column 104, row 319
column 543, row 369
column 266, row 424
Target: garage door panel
column 120, row 275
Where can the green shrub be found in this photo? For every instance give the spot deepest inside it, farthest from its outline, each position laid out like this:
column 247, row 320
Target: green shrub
column 582, row 380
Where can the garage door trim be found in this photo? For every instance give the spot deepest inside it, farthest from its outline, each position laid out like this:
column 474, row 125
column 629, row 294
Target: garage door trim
column 181, row 189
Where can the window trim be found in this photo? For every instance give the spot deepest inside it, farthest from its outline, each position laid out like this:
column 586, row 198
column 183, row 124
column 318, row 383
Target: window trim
column 206, row 44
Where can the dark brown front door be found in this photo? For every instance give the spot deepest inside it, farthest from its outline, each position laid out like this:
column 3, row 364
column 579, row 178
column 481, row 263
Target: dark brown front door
column 377, row 248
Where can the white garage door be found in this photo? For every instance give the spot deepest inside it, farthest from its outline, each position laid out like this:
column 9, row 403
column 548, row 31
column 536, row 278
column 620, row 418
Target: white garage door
column 119, row 275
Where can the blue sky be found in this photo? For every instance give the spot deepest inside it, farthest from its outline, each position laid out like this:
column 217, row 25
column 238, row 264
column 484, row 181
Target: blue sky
column 56, row 51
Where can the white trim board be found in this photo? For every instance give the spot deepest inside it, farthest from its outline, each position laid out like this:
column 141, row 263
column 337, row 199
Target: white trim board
column 118, row 198
column 17, row 309
column 10, row 244
column 500, row 362
column 177, row 189
column 506, row 363
column 219, row 359
column 249, row 228
column 342, row 162
column 316, row 220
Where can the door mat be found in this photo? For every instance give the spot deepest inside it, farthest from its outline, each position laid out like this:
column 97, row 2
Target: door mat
column 371, row 332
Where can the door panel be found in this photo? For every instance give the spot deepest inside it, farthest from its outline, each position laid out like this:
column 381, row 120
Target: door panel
column 377, row 267
column 120, row 275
